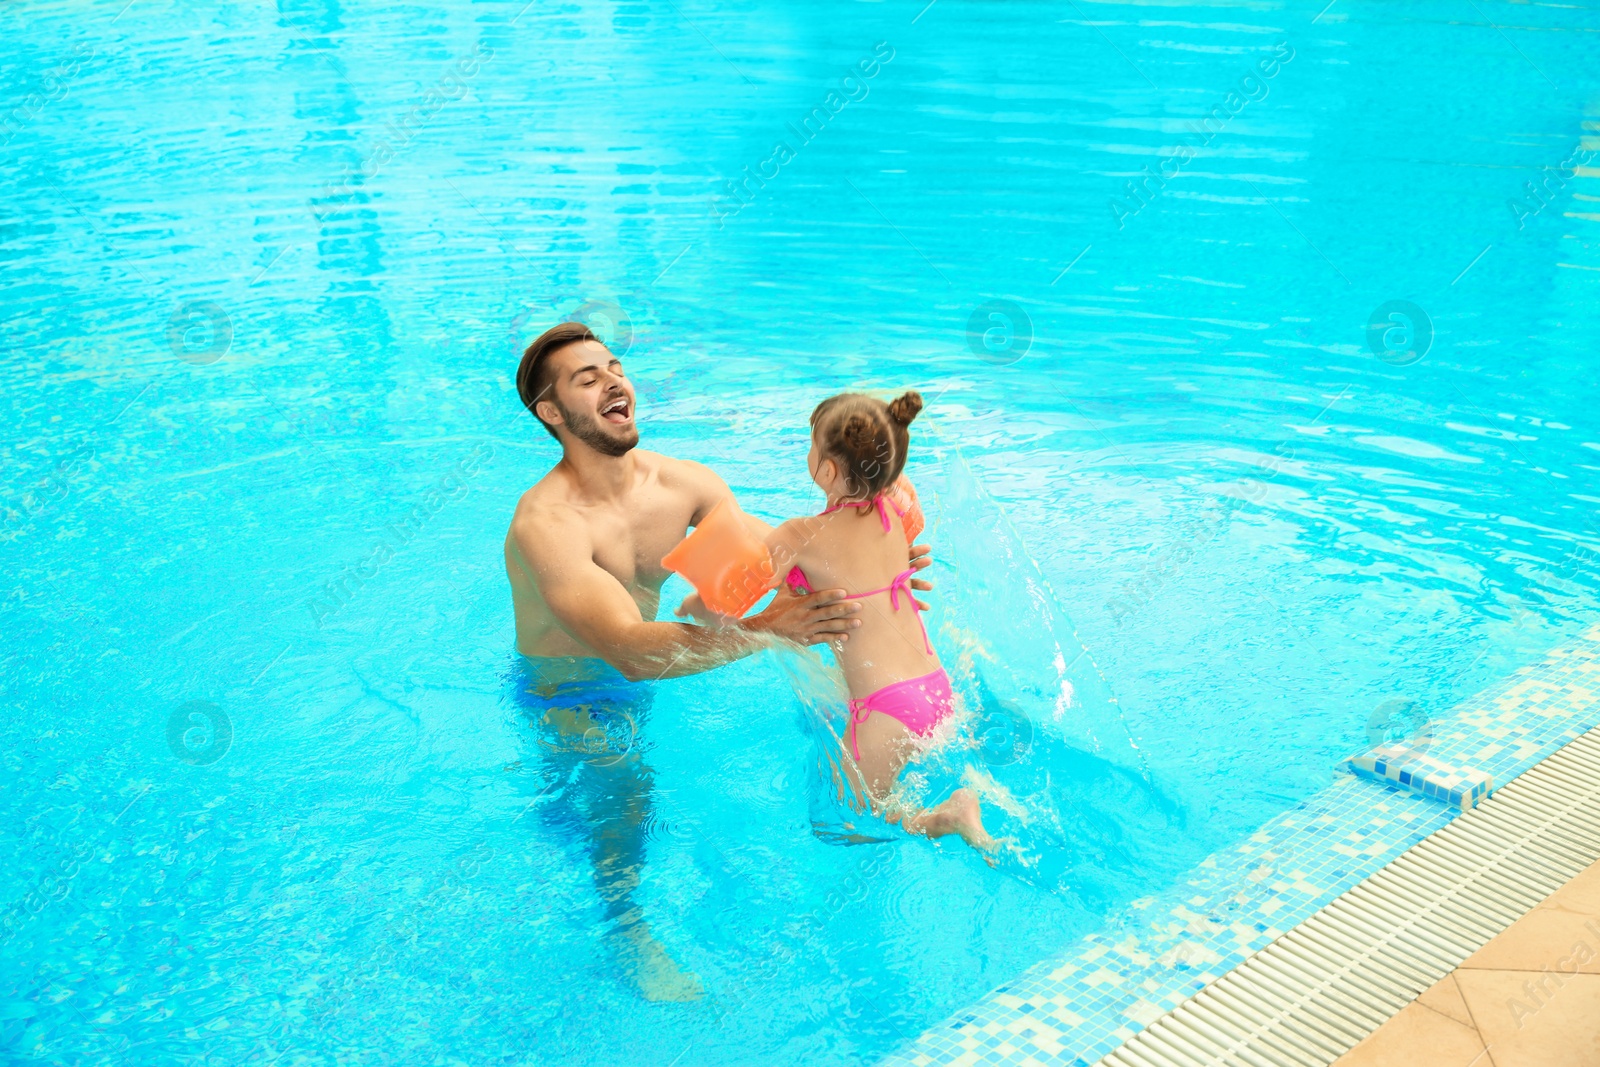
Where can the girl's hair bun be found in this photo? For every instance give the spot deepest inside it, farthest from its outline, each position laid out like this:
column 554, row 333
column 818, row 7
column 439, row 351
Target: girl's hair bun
column 904, row 408
column 858, row 433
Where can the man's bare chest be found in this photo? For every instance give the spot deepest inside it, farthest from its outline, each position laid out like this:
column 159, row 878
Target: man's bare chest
column 629, row 544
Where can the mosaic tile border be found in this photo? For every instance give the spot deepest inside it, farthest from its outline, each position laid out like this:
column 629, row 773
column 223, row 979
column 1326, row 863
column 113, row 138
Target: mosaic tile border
column 1074, row 1009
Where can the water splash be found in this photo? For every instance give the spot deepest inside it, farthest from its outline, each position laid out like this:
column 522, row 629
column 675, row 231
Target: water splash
column 837, row 813
column 1039, row 735
column 1016, row 649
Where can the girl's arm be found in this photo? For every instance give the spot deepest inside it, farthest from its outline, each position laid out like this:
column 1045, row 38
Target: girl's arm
column 782, row 544
column 786, row 542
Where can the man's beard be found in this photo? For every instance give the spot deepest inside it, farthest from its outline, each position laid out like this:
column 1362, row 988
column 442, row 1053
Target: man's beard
column 586, row 428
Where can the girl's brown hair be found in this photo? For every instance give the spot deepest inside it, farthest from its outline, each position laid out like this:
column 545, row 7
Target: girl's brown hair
column 867, row 437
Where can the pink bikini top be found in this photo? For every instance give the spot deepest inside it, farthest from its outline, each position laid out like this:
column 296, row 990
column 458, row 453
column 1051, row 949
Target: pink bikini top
column 799, row 583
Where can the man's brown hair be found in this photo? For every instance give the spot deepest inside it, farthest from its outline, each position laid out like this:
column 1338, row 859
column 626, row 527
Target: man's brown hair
column 533, row 373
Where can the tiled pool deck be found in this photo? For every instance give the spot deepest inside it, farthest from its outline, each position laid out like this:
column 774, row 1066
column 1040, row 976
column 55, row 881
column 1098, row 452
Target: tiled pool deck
column 1529, row 998
column 1076, row 1008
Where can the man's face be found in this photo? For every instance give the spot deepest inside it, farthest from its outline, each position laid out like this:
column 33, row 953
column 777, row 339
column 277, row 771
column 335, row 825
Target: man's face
column 592, row 398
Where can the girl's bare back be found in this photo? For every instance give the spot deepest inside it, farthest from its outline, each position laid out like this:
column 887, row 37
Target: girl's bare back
column 849, row 549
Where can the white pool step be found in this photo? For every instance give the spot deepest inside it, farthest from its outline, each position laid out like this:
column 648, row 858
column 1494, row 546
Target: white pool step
column 1314, row 993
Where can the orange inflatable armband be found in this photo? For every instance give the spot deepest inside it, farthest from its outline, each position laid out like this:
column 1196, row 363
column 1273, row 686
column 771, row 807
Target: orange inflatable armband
column 904, row 495
column 728, row 566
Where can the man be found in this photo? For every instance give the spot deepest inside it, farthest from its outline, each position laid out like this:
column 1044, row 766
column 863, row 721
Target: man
column 585, row 546
column 583, row 556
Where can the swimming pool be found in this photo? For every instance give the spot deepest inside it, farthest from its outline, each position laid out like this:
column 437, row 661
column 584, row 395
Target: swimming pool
column 266, row 272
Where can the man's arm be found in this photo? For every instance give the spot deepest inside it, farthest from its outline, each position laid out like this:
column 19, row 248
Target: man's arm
column 592, row 606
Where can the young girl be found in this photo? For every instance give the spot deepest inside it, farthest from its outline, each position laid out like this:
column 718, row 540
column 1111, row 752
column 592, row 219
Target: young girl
column 898, row 690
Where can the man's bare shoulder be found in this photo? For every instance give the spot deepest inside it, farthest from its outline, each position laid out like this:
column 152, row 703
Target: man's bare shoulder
column 685, row 474
column 547, row 513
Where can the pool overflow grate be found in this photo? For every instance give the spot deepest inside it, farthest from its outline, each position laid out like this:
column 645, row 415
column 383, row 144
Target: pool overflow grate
column 1314, row 993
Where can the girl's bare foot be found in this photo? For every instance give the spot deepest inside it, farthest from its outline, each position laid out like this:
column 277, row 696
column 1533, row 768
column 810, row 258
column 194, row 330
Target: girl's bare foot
column 959, row 814
column 969, row 820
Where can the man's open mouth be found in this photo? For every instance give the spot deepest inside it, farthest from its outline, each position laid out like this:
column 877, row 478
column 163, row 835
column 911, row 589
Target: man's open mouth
column 617, row 411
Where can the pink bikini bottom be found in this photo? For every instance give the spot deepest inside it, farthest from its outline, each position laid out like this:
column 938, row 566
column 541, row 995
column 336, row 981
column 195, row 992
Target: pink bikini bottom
column 920, row 703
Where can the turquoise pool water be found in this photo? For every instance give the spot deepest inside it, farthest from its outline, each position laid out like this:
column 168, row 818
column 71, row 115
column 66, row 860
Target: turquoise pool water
column 269, row 797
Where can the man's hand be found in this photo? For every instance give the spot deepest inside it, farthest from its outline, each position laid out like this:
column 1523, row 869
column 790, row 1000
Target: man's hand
column 810, row 619
column 920, row 558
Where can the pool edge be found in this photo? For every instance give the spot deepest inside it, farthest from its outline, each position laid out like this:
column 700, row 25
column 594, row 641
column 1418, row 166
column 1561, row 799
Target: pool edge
column 1392, row 937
